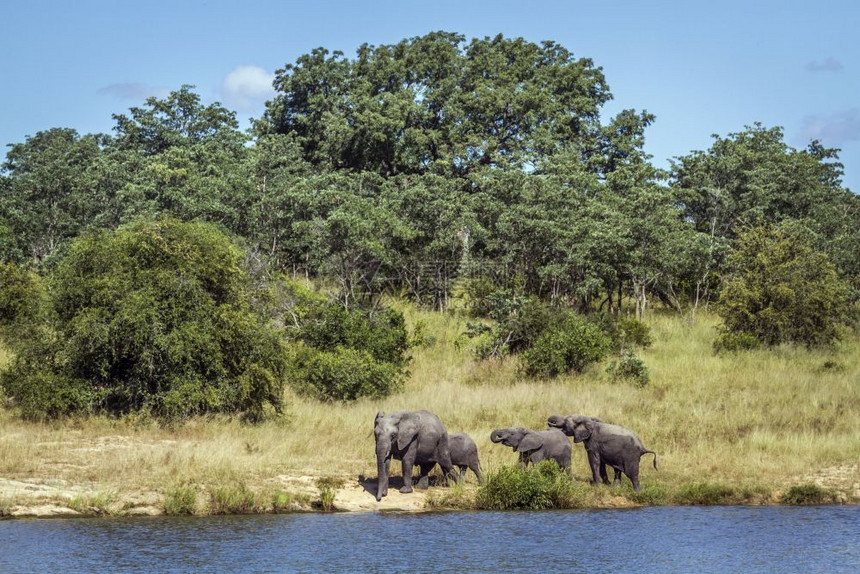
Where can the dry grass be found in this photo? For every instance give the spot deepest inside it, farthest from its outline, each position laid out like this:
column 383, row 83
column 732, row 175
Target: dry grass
column 768, row 419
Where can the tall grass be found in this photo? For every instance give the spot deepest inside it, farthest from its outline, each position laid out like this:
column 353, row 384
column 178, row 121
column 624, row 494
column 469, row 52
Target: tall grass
column 766, row 419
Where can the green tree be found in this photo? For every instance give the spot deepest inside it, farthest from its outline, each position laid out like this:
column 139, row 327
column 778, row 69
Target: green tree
column 48, row 196
column 781, row 289
column 153, row 317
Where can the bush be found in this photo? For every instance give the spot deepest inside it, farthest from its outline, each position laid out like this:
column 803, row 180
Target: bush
column 22, row 298
column 732, row 342
column 625, row 333
column 806, row 494
column 152, row 317
column 570, row 347
column 382, row 333
column 342, row 374
column 629, row 367
column 535, row 488
column 781, row 289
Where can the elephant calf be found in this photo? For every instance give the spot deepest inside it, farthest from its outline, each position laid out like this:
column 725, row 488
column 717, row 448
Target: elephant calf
column 535, row 446
column 464, row 454
column 605, row 444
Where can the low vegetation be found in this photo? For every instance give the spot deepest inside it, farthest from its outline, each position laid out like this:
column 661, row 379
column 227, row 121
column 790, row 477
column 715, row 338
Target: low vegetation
column 747, row 428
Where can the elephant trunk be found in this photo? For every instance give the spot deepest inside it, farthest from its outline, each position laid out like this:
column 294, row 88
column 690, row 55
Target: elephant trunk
column 383, row 451
column 496, row 436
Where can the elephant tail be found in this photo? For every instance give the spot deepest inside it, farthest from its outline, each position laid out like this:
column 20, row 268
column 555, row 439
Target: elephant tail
column 646, row 451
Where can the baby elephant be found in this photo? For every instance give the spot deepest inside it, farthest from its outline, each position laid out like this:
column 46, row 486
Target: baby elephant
column 605, row 444
column 535, row 446
column 464, row 454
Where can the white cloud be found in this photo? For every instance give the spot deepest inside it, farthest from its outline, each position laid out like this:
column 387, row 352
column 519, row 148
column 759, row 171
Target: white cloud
column 829, row 65
column 834, row 129
column 247, row 88
column 133, row 91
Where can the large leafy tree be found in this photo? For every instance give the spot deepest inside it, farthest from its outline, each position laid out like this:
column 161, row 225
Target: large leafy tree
column 437, row 104
column 781, row 289
column 179, row 158
column 48, row 196
column 155, row 318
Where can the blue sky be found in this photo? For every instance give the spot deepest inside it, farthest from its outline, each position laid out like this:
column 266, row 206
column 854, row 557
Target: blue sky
column 701, row 67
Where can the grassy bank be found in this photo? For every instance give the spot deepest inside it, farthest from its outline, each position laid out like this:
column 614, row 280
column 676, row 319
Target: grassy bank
column 767, row 426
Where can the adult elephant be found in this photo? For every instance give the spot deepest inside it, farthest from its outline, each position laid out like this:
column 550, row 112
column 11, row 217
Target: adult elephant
column 413, row 438
column 605, row 444
column 464, row 455
column 557, row 421
column 535, row 446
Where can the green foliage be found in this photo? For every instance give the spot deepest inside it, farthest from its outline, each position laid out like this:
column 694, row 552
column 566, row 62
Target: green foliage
column 181, row 500
column 22, row 302
column 624, row 332
column 328, row 487
column 381, row 333
column 233, row 499
column 153, row 317
column 781, row 289
column 539, row 487
column 732, row 342
column 806, row 494
column 713, row 494
column 571, row 346
column 631, row 368
column 342, row 374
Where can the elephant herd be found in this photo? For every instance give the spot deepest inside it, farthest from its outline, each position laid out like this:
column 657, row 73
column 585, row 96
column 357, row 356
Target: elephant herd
column 418, row 438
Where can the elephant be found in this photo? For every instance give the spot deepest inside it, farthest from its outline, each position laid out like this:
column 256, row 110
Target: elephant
column 557, row 421
column 464, row 454
column 535, row 446
column 413, row 438
column 605, row 444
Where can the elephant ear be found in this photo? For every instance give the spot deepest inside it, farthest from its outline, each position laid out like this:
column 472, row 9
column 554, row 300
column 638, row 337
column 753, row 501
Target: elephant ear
column 531, row 441
column 583, row 430
column 407, row 430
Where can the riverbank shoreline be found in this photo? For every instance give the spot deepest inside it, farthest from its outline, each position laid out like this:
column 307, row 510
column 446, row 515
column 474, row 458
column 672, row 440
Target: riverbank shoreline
column 56, row 498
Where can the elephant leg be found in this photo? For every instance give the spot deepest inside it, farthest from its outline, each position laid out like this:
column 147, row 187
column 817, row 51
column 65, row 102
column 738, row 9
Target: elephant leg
column 598, row 468
column 632, row 472
column 617, row 480
column 604, row 477
column 408, row 462
column 461, row 478
column 596, row 464
column 424, row 481
column 477, row 470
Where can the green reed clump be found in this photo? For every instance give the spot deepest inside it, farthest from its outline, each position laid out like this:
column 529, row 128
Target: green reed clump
column 806, row 494
column 714, row 493
column 99, row 503
column 650, row 495
column 328, row 487
column 232, row 499
column 540, row 487
column 181, row 500
column 289, row 501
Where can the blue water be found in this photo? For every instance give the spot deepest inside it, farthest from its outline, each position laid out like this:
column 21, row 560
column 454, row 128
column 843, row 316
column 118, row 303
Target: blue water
column 665, row 539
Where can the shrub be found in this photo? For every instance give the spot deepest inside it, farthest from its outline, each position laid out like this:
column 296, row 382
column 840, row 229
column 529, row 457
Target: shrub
column 806, row 494
column 381, row 333
column 781, row 289
column 712, row 494
column 629, row 367
column 731, row 342
column 328, row 487
column 570, row 347
column 232, row 499
column 342, row 374
column 181, row 500
column 625, row 333
column 22, row 298
column 152, row 317
column 536, row 488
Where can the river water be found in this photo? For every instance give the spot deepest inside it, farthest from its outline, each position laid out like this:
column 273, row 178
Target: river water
column 663, row 539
